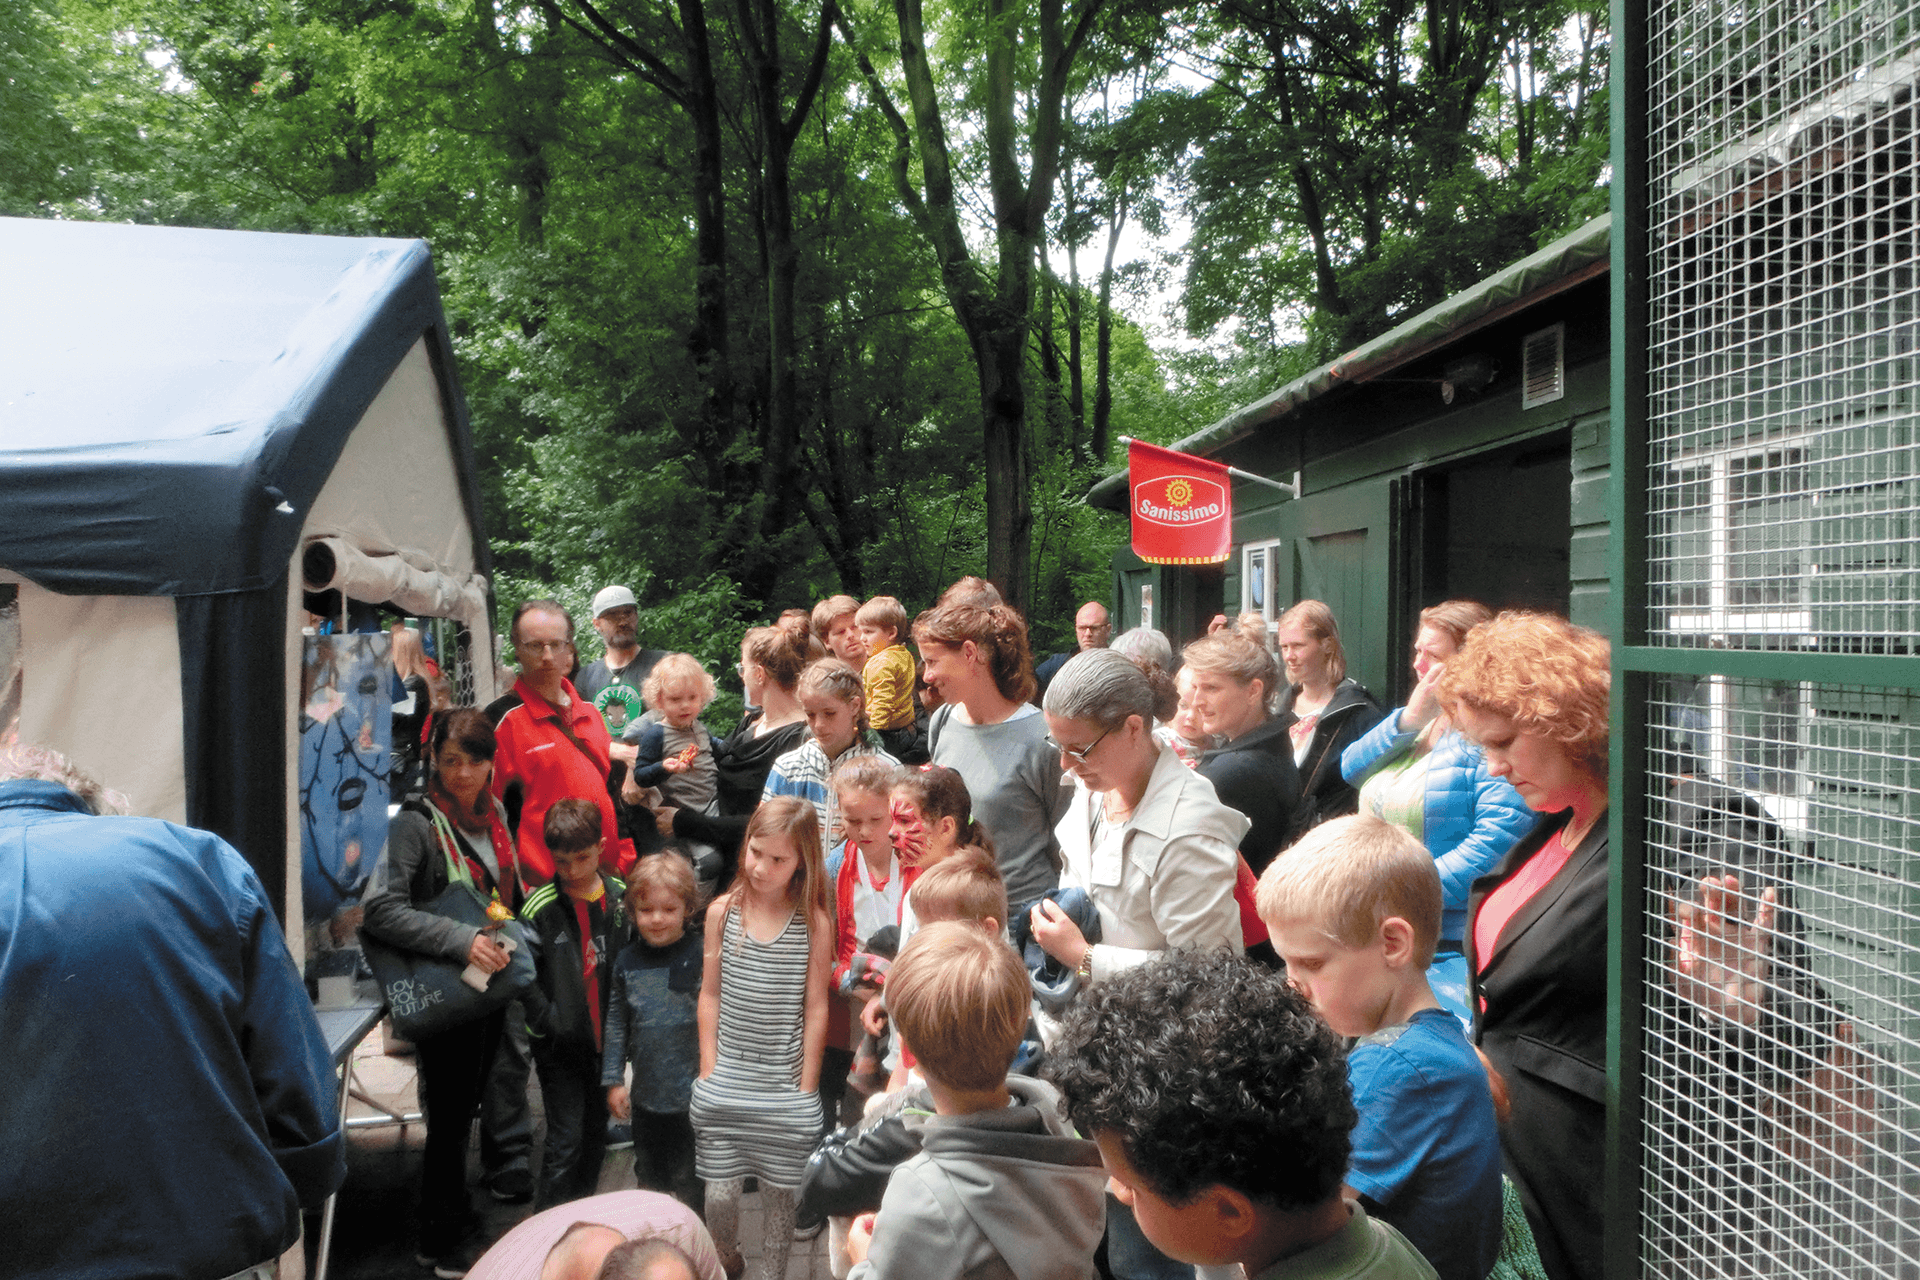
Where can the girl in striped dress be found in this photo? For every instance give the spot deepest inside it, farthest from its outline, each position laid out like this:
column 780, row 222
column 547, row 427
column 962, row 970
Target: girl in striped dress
column 763, row 1024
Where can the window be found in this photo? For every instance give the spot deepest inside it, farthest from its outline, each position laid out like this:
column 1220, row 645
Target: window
column 1260, row 580
column 1732, row 570
column 1731, row 532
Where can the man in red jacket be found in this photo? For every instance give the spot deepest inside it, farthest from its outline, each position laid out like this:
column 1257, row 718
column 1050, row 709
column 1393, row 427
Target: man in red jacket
column 553, row 744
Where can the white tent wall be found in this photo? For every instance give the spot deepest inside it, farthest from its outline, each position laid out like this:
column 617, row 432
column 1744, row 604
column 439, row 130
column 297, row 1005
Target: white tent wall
column 101, row 685
column 395, row 491
column 295, row 658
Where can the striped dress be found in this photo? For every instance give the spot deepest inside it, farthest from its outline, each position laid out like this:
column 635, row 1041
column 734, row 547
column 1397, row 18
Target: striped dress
column 749, row 1117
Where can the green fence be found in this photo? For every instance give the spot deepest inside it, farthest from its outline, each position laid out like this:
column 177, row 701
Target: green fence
column 1767, row 427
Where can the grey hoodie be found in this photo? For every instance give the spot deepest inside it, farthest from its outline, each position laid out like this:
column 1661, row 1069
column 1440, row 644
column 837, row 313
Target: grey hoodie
column 998, row 1195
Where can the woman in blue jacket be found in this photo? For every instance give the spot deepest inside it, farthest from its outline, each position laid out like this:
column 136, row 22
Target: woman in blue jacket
column 1418, row 772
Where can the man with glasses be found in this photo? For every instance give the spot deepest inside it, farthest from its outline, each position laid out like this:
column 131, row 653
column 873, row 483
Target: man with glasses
column 553, row 744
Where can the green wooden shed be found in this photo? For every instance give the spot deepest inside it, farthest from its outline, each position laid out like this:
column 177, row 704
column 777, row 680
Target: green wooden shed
column 1463, row 453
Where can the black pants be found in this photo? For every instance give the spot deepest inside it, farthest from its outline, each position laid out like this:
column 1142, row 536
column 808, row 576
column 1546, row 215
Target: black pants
column 663, row 1157
column 506, row 1119
column 576, row 1130
column 453, row 1070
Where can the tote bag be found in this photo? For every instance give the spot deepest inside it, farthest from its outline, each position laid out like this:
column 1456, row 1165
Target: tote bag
column 424, row 993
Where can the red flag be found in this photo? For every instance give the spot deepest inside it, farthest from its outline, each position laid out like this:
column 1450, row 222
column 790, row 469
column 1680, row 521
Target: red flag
column 1182, row 506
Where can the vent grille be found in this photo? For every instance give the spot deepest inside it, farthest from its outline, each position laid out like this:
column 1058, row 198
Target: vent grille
column 1543, row 361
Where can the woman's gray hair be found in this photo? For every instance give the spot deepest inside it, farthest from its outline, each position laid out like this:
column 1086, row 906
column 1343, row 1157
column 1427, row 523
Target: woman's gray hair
column 1100, row 686
column 23, row 761
column 1145, row 643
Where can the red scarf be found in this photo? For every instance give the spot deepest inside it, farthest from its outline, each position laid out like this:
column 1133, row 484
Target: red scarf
column 496, row 834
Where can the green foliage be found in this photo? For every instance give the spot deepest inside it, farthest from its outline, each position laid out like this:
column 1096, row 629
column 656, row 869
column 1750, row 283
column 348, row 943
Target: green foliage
column 622, row 437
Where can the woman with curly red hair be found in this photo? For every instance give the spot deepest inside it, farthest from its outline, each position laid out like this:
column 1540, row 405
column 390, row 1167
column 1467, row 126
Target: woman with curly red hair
column 1532, row 690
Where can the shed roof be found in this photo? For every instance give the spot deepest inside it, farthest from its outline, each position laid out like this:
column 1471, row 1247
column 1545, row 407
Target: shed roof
column 173, row 399
column 1573, row 257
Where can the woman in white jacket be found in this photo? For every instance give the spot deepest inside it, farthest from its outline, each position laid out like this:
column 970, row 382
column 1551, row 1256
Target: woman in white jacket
column 1144, row 836
column 1149, row 843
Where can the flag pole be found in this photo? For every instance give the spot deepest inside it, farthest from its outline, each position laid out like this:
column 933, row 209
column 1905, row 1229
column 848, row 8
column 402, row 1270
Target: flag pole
column 1291, row 490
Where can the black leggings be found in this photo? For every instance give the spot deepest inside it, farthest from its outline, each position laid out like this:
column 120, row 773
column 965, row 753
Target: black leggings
column 453, row 1072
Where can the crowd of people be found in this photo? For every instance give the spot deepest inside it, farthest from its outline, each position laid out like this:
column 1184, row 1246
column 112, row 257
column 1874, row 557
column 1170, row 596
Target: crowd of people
column 1181, row 963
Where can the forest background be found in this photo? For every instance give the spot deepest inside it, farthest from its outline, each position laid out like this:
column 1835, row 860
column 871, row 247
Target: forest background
column 758, row 300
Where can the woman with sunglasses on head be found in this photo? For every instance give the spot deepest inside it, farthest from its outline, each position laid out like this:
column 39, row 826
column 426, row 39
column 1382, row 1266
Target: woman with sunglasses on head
column 1230, row 681
column 975, row 657
column 457, row 830
column 1150, row 844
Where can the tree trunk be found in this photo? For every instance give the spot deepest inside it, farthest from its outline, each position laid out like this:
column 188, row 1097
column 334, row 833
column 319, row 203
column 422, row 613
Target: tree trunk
column 1001, row 354
column 996, row 317
column 708, row 343
column 1103, row 336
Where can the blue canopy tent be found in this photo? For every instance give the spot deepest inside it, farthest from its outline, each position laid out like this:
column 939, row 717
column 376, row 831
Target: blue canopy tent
column 188, row 417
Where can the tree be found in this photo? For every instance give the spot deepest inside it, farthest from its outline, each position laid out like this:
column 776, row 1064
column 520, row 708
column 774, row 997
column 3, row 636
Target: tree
column 1382, row 122
column 994, row 309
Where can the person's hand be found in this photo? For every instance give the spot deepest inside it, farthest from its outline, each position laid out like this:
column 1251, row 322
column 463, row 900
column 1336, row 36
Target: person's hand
column 487, row 955
column 343, row 924
column 1422, row 706
column 873, row 1018
column 1057, row 934
column 859, row 1238
column 674, row 764
column 625, row 752
column 617, row 1105
column 1218, row 623
column 1723, row 961
column 632, row 792
column 663, row 820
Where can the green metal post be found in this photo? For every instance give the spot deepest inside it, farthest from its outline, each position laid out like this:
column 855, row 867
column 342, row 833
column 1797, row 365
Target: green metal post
column 1626, row 549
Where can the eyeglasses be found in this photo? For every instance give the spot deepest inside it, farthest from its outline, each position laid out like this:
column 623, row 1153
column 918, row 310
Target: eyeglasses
column 1079, row 754
column 542, row 647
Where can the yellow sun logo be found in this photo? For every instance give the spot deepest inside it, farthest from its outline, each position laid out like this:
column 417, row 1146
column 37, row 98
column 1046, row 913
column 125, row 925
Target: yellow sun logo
column 1179, row 493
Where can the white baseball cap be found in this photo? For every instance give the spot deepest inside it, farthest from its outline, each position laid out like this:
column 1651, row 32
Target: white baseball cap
column 611, row 598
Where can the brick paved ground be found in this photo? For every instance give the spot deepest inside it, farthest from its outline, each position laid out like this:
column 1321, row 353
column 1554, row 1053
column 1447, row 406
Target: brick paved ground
column 373, row 1236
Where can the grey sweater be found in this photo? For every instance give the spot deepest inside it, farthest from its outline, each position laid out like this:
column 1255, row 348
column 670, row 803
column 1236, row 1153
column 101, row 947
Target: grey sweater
column 1015, row 780
column 999, row 1195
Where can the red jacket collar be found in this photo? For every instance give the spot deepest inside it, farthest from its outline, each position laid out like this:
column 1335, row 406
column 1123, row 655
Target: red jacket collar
column 540, row 708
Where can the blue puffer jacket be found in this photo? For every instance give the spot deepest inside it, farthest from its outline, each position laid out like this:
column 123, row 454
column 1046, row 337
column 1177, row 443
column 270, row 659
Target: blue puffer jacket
column 1471, row 818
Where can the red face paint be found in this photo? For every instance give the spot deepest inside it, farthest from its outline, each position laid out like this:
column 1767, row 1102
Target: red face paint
column 908, row 832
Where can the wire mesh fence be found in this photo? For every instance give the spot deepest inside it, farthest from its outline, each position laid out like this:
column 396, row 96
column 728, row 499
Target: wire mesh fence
column 1782, row 1011
column 1782, row 488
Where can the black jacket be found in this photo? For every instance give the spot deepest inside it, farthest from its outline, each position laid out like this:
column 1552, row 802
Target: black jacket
column 1324, row 793
column 556, row 1005
column 847, row 1174
column 1255, row 775
column 741, row 763
column 1544, row 1026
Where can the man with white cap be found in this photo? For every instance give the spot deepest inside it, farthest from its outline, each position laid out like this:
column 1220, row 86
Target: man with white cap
column 612, row 683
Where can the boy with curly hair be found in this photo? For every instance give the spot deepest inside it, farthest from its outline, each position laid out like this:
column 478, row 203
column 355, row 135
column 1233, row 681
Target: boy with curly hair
column 1191, row 1073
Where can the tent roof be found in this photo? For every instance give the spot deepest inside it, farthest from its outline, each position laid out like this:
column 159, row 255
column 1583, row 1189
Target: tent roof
column 1573, row 256
column 173, row 399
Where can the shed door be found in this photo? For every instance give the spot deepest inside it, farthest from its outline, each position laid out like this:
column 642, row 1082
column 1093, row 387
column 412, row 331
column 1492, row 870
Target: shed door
column 1338, row 553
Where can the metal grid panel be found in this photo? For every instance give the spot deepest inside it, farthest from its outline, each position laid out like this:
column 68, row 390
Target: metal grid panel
column 1782, row 1088
column 451, row 644
column 1783, row 490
